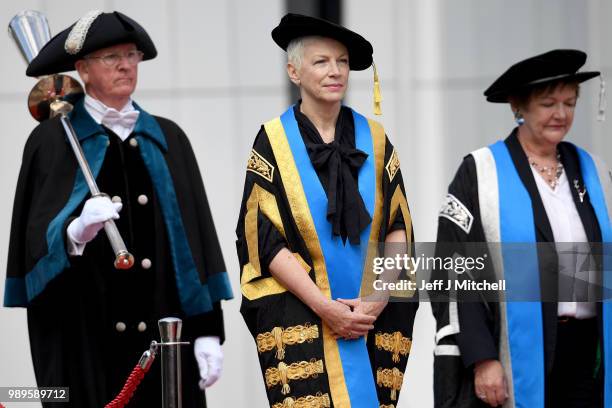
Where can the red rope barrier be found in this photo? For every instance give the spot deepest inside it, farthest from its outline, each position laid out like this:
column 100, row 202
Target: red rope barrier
column 128, row 389
column 134, row 379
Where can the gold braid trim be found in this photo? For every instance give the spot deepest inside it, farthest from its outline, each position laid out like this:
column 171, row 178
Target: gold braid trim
column 390, row 378
column 279, row 338
column 393, row 165
column 259, row 165
column 309, row 401
column 294, row 371
column 394, row 343
column 387, row 406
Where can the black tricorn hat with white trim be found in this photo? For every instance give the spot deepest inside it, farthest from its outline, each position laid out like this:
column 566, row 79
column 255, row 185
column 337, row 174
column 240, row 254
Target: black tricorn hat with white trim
column 555, row 65
column 94, row 31
column 293, row 26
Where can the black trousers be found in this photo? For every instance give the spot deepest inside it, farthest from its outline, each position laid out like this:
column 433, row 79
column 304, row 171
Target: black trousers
column 573, row 381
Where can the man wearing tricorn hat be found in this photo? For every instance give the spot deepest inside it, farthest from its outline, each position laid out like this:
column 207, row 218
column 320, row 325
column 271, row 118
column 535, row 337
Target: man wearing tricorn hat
column 323, row 188
column 88, row 322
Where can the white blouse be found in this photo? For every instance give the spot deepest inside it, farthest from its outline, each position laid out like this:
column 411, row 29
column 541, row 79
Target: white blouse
column 567, row 228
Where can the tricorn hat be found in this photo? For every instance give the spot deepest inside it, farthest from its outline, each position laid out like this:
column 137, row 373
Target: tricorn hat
column 551, row 66
column 95, row 30
column 293, row 26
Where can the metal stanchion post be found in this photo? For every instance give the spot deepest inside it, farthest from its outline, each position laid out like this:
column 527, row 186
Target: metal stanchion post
column 170, row 333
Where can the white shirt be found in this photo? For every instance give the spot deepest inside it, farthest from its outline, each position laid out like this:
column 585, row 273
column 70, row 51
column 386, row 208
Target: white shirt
column 567, row 228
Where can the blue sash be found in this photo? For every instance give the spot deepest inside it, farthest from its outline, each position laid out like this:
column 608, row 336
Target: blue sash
column 344, row 263
column 525, row 327
column 525, row 331
column 596, row 195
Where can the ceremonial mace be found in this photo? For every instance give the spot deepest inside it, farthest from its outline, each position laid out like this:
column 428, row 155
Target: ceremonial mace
column 30, row 30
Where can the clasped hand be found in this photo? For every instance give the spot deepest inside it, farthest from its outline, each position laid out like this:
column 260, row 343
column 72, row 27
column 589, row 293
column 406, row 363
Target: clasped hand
column 351, row 318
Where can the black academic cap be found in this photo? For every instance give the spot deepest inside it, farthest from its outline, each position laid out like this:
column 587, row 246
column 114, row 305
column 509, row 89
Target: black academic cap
column 551, row 66
column 293, row 26
column 92, row 32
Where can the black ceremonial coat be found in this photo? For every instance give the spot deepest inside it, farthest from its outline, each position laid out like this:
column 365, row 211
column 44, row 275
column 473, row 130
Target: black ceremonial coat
column 275, row 317
column 88, row 322
column 479, row 323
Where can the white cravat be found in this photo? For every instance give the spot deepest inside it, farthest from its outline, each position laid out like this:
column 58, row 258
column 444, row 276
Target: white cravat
column 121, row 122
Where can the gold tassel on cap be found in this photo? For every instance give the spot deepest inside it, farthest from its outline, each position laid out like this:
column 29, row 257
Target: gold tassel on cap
column 377, row 95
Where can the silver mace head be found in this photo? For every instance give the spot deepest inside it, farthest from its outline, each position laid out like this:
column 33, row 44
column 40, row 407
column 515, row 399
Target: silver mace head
column 30, row 30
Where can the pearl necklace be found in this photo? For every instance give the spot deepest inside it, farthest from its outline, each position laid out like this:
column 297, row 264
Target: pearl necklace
column 547, row 171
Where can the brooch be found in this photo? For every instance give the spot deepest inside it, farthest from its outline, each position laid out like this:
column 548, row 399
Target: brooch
column 581, row 192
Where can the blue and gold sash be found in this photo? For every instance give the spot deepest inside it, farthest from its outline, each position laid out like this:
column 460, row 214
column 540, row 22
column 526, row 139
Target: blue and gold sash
column 338, row 266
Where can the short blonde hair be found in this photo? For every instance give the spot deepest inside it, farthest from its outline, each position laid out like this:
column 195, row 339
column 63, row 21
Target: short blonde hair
column 295, row 49
column 295, row 52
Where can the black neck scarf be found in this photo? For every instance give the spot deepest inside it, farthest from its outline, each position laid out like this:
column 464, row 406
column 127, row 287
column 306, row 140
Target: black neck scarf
column 337, row 165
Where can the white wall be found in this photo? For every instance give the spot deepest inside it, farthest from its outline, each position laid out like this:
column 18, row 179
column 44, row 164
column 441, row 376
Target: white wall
column 218, row 66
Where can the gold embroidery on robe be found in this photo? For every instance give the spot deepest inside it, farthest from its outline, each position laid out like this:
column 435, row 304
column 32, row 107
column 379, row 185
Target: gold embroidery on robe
column 308, row 401
column 393, row 165
column 259, row 165
column 390, row 378
column 295, row 371
column 394, row 343
column 279, row 338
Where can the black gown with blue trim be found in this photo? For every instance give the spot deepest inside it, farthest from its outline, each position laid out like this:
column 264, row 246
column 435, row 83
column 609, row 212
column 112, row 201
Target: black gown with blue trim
column 91, row 323
column 479, row 322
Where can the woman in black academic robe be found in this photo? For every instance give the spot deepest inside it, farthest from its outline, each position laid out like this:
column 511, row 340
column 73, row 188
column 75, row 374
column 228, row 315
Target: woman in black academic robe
column 313, row 199
column 551, row 356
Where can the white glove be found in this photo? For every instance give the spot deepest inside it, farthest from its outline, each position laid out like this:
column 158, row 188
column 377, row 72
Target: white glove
column 95, row 212
column 209, row 356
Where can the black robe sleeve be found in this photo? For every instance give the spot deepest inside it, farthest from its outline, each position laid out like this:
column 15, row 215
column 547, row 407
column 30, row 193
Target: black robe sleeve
column 394, row 217
column 475, row 335
column 270, row 240
column 475, row 339
column 45, row 182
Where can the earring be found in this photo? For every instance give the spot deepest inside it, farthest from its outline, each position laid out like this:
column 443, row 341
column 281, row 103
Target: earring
column 518, row 118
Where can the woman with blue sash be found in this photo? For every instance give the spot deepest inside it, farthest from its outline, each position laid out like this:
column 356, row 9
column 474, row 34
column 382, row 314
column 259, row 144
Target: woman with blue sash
column 323, row 188
column 534, row 199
